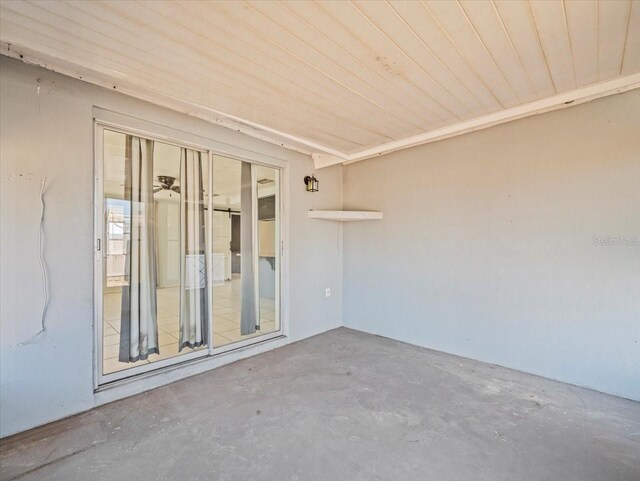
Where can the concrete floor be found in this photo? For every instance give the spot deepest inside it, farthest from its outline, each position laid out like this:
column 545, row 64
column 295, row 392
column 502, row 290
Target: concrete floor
column 343, row 405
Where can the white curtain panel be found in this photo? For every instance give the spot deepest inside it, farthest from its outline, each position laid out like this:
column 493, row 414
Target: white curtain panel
column 194, row 307
column 139, row 322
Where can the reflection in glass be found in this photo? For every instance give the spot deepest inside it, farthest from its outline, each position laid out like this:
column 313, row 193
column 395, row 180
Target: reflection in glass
column 175, row 270
column 155, row 302
column 267, row 251
column 245, row 260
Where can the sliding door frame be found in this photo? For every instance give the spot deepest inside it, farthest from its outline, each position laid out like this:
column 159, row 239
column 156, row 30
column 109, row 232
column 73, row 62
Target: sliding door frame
column 108, row 120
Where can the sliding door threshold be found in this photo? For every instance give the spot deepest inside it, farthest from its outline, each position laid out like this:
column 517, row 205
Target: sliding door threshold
column 197, row 365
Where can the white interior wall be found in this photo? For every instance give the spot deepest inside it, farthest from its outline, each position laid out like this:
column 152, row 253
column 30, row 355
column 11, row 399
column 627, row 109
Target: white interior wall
column 494, row 245
column 46, row 129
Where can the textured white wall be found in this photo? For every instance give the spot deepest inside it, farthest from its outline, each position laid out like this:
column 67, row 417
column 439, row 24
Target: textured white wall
column 487, row 248
column 51, row 134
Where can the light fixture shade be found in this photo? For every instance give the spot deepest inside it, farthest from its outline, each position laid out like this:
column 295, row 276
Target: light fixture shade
column 312, row 183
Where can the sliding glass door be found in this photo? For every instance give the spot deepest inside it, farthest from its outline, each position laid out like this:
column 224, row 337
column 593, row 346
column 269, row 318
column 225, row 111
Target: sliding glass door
column 189, row 253
column 246, row 262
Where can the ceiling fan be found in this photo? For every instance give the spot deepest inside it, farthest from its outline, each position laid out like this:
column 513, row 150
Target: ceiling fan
column 166, row 182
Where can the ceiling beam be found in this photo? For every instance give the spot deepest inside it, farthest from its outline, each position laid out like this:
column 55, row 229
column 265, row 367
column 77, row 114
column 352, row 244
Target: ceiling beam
column 559, row 101
column 321, row 160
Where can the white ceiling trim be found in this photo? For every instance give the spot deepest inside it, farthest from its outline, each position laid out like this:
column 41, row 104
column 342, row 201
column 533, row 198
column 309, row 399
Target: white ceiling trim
column 565, row 99
column 322, row 155
column 113, row 81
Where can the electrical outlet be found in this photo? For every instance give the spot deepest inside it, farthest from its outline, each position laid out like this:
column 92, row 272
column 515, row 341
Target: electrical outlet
column 327, row 292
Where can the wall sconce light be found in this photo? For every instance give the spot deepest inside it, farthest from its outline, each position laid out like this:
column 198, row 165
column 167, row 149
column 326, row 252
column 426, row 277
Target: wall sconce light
column 312, row 183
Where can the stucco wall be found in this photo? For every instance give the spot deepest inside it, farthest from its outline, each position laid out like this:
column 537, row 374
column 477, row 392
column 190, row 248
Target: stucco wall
column 494, row 245
column 51, row 134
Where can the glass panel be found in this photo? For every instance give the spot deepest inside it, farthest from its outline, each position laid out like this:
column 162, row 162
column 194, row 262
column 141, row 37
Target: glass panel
column 155, row 302
column 245, row 258
column 268, row 260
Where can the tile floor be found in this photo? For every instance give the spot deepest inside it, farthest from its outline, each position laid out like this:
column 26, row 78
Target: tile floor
column 227, row 300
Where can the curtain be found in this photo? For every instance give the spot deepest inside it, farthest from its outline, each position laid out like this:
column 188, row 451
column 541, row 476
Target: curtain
column 138, row 321
column 193, row 270
column 248, row 317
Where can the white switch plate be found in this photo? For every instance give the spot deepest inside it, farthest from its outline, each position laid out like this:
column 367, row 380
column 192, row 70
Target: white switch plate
column 327, row 292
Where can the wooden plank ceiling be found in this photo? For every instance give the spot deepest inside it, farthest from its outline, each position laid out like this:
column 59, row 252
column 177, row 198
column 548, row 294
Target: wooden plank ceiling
column 336, row 77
